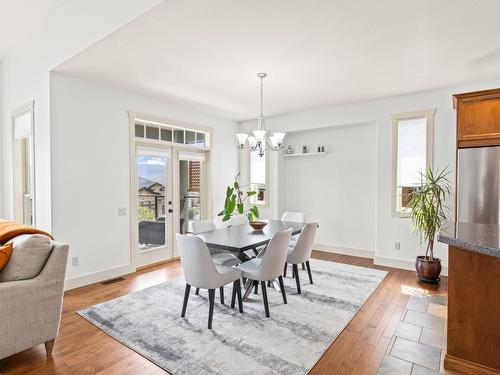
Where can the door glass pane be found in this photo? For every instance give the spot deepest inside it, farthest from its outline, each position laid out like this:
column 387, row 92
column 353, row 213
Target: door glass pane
column 166, row 135
column 152, row 132
column 151, row 194
column 179, row 136
column 200, row 139
column 139, row 131
column 190, row 194
column 190, row 137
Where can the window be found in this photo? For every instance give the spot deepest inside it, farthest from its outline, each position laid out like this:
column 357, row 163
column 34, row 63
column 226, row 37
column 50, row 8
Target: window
column 171, row 134
column 258, row 178
column 412, row 154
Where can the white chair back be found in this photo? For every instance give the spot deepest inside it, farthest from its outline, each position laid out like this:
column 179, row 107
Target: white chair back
column 296, row 217
column 239, row 219
column 303, row 247
column 274, row 259
column 203, row 226
column 199, row 269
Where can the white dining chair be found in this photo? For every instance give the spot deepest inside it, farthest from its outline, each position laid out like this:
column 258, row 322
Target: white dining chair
column 219, row 257
column 239, row 219
column 300, row 253
column 201, row 272
column 296, row 217
column 269, row 267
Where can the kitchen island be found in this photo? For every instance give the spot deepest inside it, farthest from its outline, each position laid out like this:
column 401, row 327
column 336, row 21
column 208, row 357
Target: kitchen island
column 473, row 345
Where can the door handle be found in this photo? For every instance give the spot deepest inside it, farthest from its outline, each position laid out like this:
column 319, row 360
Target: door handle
column 170, row 210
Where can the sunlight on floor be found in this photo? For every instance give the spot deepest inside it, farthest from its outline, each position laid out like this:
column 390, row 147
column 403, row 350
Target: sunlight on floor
column 412, row 291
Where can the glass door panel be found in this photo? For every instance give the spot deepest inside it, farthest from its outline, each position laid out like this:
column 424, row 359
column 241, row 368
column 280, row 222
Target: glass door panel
column 190, row 193
column 154, row 192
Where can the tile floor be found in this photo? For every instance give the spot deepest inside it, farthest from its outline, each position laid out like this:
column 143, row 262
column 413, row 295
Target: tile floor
column 419, row 343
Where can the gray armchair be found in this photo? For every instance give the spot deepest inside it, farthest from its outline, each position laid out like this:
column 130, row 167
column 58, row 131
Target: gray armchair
column 30, row 310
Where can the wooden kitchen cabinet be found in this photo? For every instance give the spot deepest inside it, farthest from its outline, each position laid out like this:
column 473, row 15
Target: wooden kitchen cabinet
column 478, row 118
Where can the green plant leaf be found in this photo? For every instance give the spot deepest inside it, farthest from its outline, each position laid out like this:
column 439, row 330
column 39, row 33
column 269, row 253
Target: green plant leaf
column 250, row 193
column 240, row 208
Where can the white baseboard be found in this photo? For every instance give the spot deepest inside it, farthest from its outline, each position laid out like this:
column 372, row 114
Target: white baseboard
column 402, row 263
column 97, row 277
column 344, row 250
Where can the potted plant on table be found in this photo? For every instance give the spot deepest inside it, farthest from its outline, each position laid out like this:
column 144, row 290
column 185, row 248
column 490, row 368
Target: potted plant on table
column 428, row 213
column 236, row 199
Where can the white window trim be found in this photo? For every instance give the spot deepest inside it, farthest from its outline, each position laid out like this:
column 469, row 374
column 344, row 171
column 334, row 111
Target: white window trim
column 396, row 117
column 28, row 107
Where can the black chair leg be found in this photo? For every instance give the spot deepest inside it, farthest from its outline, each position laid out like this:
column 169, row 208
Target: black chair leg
column 256, row 287
column 221, row 289
column 303, row 266
column 309, row 272
column 284, row 270
column 186, row 297
column 211, row 299
column 282, row 287
column 197, row 292
column 233, row 296
column 297, row 280
column 238, row 292
column 268, row 284
column 264, row 297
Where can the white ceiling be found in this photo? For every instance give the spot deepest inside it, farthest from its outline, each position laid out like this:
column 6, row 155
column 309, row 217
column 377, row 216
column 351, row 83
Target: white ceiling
column 20, row 20
column 316, row 52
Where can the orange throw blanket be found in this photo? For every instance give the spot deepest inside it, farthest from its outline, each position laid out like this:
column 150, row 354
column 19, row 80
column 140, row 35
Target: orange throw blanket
column 11, row 229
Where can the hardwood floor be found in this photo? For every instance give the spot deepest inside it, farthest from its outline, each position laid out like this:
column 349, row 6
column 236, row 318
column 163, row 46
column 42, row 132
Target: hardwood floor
column 81, row 348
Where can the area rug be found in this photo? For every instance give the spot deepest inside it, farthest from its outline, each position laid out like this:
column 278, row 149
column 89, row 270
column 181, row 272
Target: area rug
column 290, row 342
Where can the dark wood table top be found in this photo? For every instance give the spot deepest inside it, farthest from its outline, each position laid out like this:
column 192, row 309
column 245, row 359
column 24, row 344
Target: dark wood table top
column 243, row 237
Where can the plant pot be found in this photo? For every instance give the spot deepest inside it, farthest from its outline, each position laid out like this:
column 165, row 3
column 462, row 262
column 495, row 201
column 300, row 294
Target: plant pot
column 428, row 270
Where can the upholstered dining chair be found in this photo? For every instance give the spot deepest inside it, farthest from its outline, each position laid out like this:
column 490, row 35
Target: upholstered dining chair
column 269, row 267
column 238, row 219
column 219, row 257
column 300, row 252
column 201, row 272
column 296, row 217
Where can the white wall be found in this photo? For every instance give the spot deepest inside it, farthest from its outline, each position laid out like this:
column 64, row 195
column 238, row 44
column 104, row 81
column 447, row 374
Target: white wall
column 338, row 189
column 73, row 25
column 90, row 167
column 389, row 229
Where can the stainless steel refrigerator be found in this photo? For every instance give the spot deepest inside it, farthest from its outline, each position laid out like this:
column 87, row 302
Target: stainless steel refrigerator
column 478, row 197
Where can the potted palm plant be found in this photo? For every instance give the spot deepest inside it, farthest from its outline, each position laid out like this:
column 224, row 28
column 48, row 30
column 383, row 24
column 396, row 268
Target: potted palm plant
column 428, row 213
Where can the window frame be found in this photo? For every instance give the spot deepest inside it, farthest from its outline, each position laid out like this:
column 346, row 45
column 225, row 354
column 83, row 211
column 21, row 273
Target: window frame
column 428, row 114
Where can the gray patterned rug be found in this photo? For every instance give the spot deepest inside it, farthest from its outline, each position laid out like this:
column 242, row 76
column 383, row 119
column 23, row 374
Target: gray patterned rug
column 291, row 341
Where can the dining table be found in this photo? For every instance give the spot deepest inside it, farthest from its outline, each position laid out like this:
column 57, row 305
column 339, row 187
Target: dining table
column 240, row 238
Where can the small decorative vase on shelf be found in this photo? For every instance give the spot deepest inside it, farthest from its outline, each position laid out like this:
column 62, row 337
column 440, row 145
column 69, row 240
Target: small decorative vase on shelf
column 289, row 150
column 304, row 149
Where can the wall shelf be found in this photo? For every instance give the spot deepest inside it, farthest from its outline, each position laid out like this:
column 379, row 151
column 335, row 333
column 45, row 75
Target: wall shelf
column 304, row 154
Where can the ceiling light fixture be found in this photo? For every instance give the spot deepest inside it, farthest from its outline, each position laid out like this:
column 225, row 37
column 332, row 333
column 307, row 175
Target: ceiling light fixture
column 260, row 140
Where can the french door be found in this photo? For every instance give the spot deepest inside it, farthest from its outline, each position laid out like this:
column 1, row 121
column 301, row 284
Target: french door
column 171, row 194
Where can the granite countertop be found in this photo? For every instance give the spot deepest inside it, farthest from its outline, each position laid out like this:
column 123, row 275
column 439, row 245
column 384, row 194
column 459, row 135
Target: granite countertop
column 480, row 238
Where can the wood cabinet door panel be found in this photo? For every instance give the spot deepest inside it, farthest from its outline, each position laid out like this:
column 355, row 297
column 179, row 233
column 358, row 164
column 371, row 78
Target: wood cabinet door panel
column 478, row 119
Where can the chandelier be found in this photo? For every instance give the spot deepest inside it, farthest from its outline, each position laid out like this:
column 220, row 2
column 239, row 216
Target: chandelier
column 260, row 141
